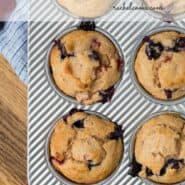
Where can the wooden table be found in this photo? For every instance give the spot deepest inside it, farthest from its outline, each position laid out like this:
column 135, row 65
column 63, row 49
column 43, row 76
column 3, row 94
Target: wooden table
column 13, row 108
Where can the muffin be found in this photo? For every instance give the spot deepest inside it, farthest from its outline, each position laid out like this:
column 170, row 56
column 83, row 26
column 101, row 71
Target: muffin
column 85, row 148
column 87, row 8
column 173, row 6
column 86, row 65
column 160, row 66
column 159, row 149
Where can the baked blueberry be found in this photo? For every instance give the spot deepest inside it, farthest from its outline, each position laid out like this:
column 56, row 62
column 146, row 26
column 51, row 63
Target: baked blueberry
column 79, row 124
column 179, row 44
column 94, row 56
column 149, row 172
column 168, row 93
column 154, row 50
column 118, row 133
column 171, row 163
column 107, row 94
column 135, row 168
column 62, row 49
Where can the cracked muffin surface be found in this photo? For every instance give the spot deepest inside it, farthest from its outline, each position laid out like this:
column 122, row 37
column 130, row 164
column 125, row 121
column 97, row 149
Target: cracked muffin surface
column 160, row 149
column 86, row 148
column 160, row 65
column 86, row 65
column 87, row 8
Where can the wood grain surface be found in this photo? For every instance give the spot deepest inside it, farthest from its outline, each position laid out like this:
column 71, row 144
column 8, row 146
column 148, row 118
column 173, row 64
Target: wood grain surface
column 13, row 97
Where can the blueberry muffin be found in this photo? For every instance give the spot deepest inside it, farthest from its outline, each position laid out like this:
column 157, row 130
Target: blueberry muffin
column 160, row 65
column 87, row 8
column 175, row 6
column 86, row 148
column 86, row 65
column 159, row 150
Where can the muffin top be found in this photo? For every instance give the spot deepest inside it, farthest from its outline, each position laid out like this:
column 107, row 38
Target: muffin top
column 87, row 8
column 175, row 6
column 160, row 65
column 85, row 148
column 86, row 65
column 160, row 149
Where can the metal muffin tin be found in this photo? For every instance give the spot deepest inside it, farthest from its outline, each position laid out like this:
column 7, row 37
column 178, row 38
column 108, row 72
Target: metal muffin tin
column 127, row 108
column 140, row 124
column 132, row 71
column 65, row 10
column 47, row 64
column 63, row 179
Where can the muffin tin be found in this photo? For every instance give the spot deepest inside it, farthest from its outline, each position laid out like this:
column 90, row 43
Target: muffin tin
column 128, row 107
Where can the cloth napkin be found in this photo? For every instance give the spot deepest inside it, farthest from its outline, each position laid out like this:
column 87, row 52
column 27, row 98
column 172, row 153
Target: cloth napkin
column 13, row 40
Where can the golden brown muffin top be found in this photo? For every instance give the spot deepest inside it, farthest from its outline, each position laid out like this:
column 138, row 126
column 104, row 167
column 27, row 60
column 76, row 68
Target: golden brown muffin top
column 86, row 65
column 86, row 148
column 160, row 65
column 160, row 149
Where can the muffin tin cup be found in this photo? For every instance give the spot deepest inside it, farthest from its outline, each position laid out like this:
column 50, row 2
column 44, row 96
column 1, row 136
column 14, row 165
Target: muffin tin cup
column 62, row 178
column 161, row 15
column 49, row 75
column 132, row 143
column 135, row 81
column 66, row 11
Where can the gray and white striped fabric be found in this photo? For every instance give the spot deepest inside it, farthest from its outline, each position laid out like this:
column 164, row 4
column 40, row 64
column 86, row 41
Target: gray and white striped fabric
column 13, row 40
column 127, row 108
column 13, row 46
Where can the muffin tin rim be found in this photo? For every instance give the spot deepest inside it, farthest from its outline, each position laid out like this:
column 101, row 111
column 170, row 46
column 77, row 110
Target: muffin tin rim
column 133, row 75
column 133, row 137
column 67, row 12
column 161, row 15
column 50, row 79
column 61, row 177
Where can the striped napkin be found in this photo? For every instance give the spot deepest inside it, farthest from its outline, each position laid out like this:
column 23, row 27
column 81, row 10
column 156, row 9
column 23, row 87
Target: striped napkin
column 13, row 40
